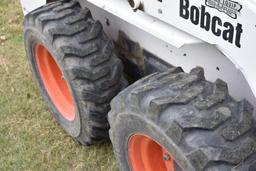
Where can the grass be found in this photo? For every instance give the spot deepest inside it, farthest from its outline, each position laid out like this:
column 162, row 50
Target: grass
column 30, row 139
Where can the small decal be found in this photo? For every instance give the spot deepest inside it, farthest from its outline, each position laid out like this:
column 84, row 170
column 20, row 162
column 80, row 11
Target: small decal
column 231, row 8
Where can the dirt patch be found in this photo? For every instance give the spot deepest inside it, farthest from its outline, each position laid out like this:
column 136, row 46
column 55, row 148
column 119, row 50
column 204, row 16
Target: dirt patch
column 2, row 60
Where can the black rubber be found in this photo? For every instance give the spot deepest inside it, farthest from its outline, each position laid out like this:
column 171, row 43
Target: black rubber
column 195, row 120
column 86, row 58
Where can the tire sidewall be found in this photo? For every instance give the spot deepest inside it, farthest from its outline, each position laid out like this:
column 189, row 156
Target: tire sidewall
column 128, row 125
column 32, row 38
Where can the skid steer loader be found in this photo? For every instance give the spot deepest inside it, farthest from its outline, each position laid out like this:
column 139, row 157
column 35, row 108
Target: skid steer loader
column 188, row 104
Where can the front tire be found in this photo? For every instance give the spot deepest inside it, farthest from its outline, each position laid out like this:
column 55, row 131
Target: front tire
column 178, row 121
column 75, row 67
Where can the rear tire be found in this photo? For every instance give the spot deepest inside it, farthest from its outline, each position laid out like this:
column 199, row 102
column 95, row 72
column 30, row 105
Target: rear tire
column 195, row 121
column 85, row 58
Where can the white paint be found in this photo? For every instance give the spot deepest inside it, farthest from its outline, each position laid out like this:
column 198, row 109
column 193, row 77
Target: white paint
column 145, row 22
column 30, row 5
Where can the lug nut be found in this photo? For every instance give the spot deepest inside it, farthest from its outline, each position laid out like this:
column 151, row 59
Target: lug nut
column 166, row 157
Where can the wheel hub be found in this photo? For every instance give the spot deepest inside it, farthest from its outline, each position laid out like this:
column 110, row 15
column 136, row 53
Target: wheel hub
column 145, row 154
column 54, row 82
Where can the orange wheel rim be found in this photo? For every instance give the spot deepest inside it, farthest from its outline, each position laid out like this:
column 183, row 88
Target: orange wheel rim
column 54, row 82
column 145, row 154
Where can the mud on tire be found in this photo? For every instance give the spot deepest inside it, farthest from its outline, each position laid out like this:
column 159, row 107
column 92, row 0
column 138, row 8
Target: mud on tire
column 197, row 121
column 86, row 58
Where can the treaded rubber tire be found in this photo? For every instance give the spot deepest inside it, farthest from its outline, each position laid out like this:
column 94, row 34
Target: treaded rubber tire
column 85, row 56
column 195, row 120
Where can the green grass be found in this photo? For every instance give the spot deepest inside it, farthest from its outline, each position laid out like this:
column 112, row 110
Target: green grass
column 30, row 139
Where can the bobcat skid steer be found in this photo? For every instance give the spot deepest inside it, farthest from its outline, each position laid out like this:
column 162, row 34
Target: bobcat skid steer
column 188, row 104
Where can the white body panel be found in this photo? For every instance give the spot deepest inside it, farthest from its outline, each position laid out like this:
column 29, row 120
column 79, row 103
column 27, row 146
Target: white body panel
column 220, row 60
column 30, row 5
column 244, row 57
